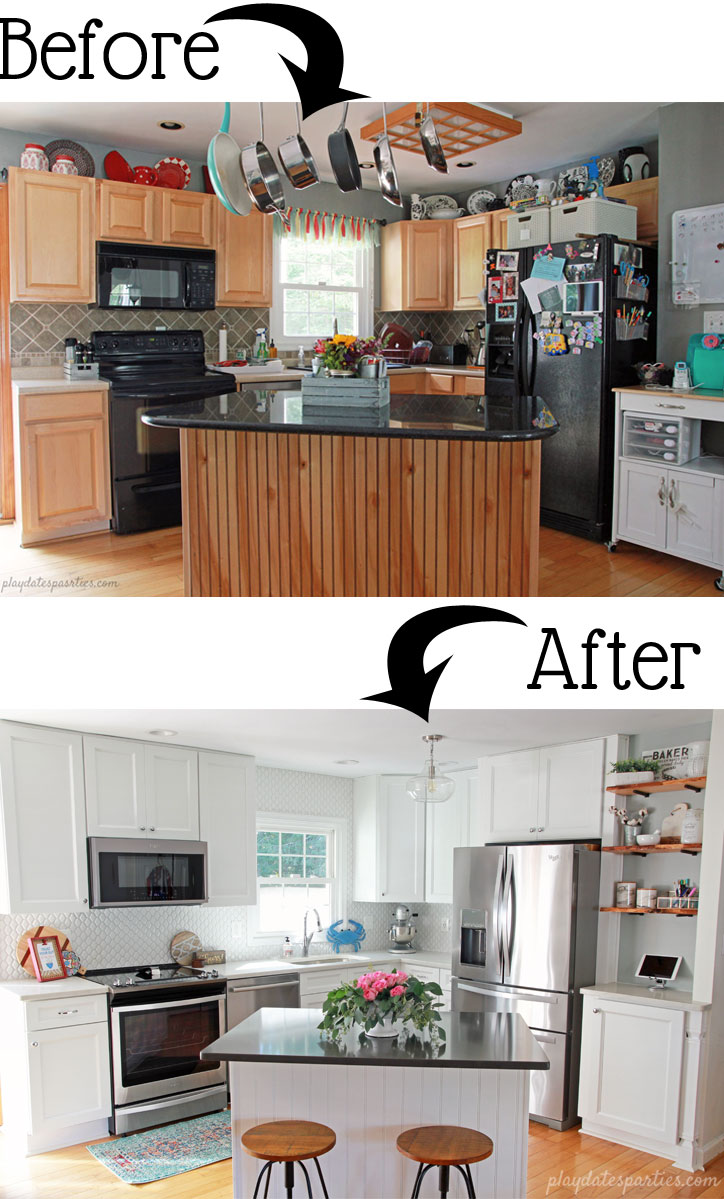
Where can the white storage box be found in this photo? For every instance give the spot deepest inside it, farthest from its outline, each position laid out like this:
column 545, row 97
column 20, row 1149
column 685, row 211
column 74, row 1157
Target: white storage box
column 670, row 439
column 587, row 218
column 529, row 228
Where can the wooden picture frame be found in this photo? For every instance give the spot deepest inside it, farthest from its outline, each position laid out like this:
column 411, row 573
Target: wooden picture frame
column 47, row 959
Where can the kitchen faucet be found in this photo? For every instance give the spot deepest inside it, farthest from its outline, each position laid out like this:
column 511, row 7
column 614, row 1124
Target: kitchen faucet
column 308, row 936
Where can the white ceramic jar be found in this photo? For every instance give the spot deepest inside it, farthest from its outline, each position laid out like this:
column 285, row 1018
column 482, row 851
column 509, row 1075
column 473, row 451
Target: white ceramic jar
column 64, row 165
column 692, row 827
column 34, row 158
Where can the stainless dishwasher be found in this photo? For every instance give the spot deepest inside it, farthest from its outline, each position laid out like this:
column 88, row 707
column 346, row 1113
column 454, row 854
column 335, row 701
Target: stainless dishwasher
column 246, row 995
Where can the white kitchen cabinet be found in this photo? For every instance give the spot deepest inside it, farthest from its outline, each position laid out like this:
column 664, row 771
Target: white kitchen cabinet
column 389, row 841
column 227, row 822
column 632, row 1059
column 543, row 794
column 137, row 789
column 69, row 1075
column 642, row 504
column 43, row 864
column 448, row 825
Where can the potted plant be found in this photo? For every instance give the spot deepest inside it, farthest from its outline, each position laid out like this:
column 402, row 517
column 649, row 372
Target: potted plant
column 635, row 770
column 380, row 1004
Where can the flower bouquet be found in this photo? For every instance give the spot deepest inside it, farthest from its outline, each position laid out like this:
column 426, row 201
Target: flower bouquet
column 631, row 824
column 380, row 1004
column 340, row 354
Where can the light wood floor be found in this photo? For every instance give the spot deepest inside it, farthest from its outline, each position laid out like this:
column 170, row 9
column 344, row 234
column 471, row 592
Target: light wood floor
column 149, row 564
column 556, row 1161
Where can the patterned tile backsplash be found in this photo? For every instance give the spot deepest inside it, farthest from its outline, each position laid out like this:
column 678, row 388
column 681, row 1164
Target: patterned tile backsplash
column 38, row 331
column 126, row 936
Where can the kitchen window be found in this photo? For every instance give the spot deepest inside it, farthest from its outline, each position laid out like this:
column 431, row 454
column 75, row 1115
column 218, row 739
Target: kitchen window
column 316, row 282
column 298, row 867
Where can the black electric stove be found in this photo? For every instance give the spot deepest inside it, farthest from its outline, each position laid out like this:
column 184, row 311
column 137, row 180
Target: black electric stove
column 146, row 371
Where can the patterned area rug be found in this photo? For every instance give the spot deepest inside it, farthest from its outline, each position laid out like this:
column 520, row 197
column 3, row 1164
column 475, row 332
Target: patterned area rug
column 173, row 1149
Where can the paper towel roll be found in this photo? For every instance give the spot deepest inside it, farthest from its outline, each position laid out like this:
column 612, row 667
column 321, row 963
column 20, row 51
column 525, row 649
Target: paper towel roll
column 223, row 349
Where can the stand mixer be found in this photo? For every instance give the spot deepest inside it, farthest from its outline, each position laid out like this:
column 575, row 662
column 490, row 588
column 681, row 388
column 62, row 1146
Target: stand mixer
column 402, row 931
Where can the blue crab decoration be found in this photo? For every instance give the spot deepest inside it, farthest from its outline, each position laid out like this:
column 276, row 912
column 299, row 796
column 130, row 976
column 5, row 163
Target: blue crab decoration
column 341, row 937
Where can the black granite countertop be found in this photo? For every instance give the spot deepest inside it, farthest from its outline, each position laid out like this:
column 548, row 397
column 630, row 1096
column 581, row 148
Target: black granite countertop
column 280, row 410
column 475, row 1040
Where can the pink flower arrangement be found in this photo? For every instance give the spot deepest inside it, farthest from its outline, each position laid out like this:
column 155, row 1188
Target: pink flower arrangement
column 376, row 982
column 376, row 997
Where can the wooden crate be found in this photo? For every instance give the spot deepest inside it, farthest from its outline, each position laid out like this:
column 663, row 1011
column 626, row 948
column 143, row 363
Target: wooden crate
column 345, row 393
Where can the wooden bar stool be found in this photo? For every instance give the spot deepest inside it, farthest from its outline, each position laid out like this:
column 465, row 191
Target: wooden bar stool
column 287, row 1142
column 444, row 1145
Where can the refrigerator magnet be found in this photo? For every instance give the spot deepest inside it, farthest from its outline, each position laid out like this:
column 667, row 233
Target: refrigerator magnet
column 495, row 289
column 506, row 313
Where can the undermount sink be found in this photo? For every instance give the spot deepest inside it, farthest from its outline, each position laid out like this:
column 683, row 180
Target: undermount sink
column 322, row 959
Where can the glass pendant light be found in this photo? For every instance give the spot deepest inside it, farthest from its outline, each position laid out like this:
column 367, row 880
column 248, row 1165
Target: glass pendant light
column 430, row 786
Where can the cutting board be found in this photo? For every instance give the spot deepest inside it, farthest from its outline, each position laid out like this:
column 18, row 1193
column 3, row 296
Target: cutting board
column 185, row 946
column 22, row 951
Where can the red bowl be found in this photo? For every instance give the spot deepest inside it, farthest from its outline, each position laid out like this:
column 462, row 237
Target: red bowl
column 145, row 175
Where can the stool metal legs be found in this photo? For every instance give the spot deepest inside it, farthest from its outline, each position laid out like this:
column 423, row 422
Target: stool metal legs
column 289, row 1178
column 444, row 1180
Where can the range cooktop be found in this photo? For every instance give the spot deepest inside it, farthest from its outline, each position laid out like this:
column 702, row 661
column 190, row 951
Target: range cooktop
column 140, row 976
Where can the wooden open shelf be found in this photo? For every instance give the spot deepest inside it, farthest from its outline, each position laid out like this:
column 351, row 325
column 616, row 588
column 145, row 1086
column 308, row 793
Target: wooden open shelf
column 653, row 911
column 698, row 783
column 642, row 850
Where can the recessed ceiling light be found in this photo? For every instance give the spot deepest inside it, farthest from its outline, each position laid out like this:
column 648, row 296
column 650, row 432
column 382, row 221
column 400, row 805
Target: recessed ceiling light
column 162, row 733
column 464, row 165
column 173, row 126
column 367, row 166
column 346, row 761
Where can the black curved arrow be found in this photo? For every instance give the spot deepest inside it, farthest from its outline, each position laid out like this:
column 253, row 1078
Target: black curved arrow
column 412, row 686
column 319, row 84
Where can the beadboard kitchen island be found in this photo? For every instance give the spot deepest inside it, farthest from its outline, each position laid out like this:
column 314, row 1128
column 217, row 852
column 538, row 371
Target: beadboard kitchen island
column 281, row 1067
column 430, row 496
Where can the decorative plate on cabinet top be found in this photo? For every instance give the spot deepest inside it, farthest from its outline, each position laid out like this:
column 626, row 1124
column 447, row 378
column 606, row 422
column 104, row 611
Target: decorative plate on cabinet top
column 439, row 204
column 606, row 169
column 169, row 168
column 71, row 961
column 520, row 188
column 117, row 168
column 78, row 153
column 479, row 201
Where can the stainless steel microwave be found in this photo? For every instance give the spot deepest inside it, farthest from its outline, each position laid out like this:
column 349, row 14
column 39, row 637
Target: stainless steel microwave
column 137, row 872
column 129, row 276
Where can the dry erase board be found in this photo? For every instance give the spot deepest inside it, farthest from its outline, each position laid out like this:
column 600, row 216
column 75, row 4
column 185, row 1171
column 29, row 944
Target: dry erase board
column 698, row 257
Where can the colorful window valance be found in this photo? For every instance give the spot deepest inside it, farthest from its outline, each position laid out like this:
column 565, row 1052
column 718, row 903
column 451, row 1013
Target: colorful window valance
column 308, row 224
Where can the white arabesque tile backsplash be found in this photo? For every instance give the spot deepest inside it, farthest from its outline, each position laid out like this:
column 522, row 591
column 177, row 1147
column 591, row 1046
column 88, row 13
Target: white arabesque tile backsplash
column 128, row 936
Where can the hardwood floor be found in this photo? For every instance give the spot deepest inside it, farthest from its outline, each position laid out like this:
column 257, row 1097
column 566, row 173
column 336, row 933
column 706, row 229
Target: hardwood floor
column 149, row 564
column 558, row 1164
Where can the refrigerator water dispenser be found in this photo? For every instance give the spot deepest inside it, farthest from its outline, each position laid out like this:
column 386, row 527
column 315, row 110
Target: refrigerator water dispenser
column 473, row 928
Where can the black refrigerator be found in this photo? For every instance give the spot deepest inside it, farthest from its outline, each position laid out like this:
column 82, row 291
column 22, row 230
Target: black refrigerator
column 577, row 464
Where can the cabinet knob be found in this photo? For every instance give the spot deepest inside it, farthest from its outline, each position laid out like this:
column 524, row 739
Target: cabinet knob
column 533, row 829
column 595, row 1010
column 34, row 1044
column 541, row 829
column 85, row 901
column 143, row 828
column 152, row 828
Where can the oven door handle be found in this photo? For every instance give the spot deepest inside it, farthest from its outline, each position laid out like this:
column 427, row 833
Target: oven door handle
column 155, row 1007
column 264, row 987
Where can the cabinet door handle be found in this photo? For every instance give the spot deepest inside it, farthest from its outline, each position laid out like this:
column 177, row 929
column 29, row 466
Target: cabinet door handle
column 70, row 1012
column 681, row 406
column 672, row 495
column 662, row 491
column 595, row 1010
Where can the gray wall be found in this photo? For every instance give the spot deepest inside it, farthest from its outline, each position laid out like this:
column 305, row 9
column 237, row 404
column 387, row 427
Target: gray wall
column 691, row 174
column 661, row 934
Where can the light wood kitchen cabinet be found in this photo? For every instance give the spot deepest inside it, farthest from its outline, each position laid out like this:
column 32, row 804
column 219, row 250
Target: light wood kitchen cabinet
column 137, row 789
column 227, row 822
column 499, row 228
column 389, row 841
column 43, row 866
column 244, row 259
column 470, row 243
column 52, row 237
column 187, row 218
column 431, row 382
column 416, row 266
column 63, row 481
column 543, row 794
column 126, row 211
column 644, row 195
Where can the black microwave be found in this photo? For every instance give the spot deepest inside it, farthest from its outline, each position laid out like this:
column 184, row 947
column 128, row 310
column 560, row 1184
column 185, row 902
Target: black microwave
column 129, row 276
column 134, row 872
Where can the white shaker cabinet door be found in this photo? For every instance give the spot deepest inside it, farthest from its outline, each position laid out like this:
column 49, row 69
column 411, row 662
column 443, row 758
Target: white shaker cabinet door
column 43, row 864
column 227, row 809
column 448, row 826
column 571, row 790
column 115, row 787
column 70, row 1077
column 692, row 524
column 172, row 792
column 509, row 796
column 642, row 503
column 631, row 1063
column 401, row 833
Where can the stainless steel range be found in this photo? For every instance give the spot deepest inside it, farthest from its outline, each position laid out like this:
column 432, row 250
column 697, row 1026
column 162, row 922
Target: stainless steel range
column 161, row 1017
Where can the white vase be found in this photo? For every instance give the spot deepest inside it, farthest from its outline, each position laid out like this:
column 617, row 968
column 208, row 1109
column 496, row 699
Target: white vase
column 388, row 1028
column 418, row 207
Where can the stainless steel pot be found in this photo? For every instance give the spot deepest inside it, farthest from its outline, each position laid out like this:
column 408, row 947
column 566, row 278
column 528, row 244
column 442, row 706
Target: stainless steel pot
column 296, row 159
column 372, row 366
column 432, row 145
column 261, row 176
column 385, row 164
column 343, row 157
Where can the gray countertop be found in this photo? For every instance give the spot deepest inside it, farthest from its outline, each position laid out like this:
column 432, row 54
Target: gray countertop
column 475, row 1040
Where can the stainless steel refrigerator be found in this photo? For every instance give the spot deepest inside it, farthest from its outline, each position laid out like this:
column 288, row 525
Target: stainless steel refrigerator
column 526, row 918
